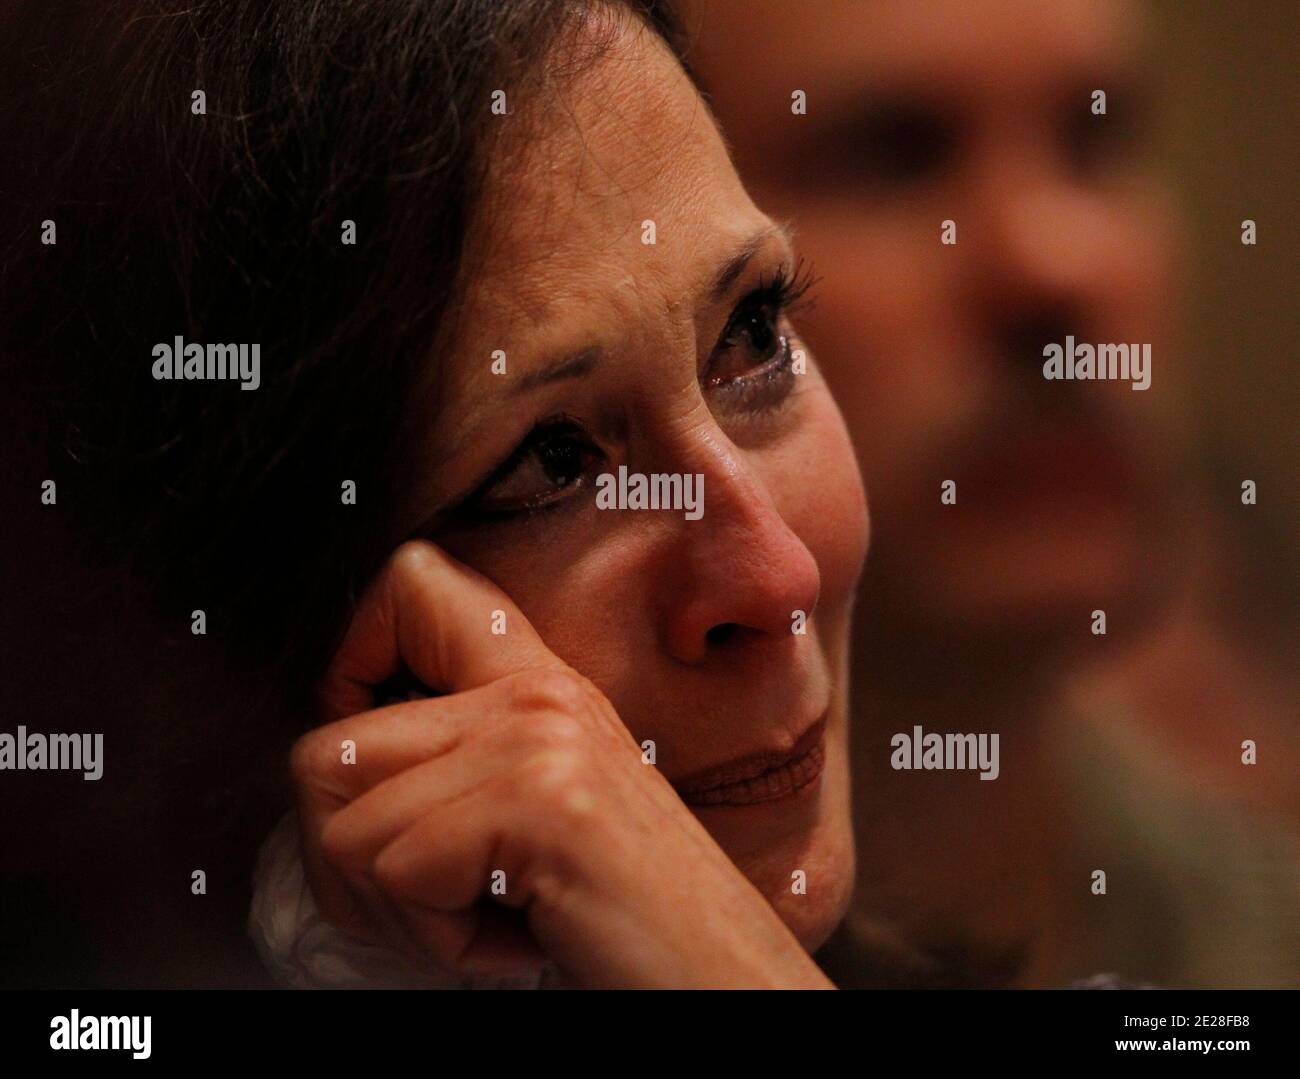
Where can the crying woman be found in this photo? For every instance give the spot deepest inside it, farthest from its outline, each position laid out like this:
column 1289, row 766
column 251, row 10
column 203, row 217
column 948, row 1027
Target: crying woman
column 510, row 734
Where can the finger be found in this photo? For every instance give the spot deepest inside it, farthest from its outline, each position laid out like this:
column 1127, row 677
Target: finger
column 339, row 766
column 338, row 762
column 439, row 872
column 436, row 616
column 484, row 941
column 445, row 861
column 351, row 829
column 445, row 864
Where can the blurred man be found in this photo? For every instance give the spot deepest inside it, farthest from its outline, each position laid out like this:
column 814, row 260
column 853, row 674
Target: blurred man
column 968, row 198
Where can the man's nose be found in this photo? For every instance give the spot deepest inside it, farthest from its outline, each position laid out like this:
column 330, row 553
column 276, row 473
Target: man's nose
column 1042, row 253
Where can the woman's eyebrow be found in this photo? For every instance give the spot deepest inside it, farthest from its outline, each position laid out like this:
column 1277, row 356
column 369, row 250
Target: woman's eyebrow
column 580, row 363
column 574, row 365
column 734, row 266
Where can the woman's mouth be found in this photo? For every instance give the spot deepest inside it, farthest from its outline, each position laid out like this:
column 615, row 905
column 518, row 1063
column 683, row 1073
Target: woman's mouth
column 759, row 777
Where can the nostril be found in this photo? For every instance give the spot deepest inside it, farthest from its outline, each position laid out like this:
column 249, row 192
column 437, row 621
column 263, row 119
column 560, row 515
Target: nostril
column 721, row 633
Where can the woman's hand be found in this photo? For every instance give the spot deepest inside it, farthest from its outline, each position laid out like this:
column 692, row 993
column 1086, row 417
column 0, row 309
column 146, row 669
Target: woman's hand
column 522, row 769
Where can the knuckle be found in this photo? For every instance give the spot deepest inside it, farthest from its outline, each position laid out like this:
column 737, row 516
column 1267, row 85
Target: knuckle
column 556, row 730
column 554, row 769
column 556, row 690
column 561, row 785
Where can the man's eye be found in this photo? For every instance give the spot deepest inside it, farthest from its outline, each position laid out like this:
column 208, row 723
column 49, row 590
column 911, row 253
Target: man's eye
column 549, row 465
column 909, row 145
column 1100, row 144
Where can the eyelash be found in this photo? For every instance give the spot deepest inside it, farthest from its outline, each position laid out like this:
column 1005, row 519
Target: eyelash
column 762, row 390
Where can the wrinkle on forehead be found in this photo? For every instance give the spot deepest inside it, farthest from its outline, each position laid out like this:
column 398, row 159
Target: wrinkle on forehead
column 532, row 167
column 589, row 155
column 588, row 146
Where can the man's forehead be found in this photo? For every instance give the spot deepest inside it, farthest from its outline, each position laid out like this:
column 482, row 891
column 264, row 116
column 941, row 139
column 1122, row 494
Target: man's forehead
column 902, row 39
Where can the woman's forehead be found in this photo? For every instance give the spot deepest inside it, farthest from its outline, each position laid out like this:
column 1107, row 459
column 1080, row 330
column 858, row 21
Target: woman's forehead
column 626, row 140
column 622, row 189
column 600, row 229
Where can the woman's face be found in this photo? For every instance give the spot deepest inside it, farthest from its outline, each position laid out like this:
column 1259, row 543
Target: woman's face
column 666, row 357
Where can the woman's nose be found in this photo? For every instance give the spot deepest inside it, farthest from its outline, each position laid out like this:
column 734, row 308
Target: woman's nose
column 739, row 575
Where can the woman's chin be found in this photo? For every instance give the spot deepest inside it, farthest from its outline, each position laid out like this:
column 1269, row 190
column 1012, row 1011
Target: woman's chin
column 813, row 915
column 798, row 851
column 809, row 884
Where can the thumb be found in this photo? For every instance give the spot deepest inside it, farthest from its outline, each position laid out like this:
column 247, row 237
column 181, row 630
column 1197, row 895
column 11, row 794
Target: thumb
column 434, row 615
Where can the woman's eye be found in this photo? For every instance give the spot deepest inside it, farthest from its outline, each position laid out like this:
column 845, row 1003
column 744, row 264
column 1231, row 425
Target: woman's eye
column 548, row 465
column 751, row 340
column 751, row 367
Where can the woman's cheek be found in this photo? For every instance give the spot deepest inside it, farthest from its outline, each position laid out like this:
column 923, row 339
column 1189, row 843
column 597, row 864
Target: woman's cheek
column 823, row 500
column 577, row 588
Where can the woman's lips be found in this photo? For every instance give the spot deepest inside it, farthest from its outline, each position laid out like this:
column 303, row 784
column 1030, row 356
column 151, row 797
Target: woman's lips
column 759, row 777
